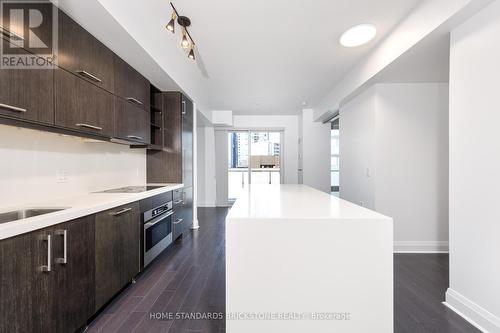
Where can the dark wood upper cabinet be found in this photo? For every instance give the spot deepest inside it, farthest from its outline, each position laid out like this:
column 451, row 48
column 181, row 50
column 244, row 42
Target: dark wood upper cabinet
column 117, row 252
column 27, row 93
column 82, row 54
column 131, row 85
column 131, row 122
column 167, row 166
column 40, row 291
column 83, row 106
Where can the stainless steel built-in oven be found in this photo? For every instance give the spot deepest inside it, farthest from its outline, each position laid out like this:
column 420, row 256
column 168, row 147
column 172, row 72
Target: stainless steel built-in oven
column 157, row 231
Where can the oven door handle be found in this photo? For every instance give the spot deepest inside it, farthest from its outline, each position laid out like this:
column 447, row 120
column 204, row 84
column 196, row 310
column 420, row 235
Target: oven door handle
column 157, row 220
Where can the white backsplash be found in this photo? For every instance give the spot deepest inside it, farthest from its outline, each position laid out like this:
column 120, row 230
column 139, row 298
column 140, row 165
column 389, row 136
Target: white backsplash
column 36, row 165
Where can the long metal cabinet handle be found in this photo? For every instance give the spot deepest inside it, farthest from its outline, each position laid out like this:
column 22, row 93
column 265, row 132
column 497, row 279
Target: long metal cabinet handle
column 120, row 212
column 90, row 126
column 178, row 202
column 12, row 108
column 135, row 101
column 10, row 34
column 48, row 267
column 64, row 259
column 88, row 75
column 178, row 221
column 160, row 219
column 134, row 137
column 183, row 107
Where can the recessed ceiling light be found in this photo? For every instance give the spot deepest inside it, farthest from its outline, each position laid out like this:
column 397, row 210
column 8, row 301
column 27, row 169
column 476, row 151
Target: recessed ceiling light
column 358, row 35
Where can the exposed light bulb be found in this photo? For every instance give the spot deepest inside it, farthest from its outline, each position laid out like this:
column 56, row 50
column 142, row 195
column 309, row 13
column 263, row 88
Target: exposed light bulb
column 185, row 44
column 171, row 25
column 191, row 54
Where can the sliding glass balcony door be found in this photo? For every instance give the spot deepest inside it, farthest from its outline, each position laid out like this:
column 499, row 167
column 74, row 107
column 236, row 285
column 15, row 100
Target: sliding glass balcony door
column 254, row 157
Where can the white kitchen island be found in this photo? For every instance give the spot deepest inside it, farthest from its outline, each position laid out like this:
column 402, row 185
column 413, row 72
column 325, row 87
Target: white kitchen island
column 300, row 260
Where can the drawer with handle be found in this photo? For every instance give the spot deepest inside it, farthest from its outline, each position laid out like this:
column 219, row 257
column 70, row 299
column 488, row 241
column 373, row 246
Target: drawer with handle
column 177, row 227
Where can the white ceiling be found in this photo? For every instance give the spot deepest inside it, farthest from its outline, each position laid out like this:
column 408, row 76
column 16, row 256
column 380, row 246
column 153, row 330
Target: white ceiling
column 257, row 56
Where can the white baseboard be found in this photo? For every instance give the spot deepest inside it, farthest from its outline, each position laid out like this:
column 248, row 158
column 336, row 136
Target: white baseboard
column 421, row 246
column 472, row 312
column 206, row 204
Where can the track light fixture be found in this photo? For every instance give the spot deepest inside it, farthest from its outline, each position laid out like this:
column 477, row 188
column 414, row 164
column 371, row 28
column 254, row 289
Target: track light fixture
column 171, row 25
column 187, row 41
column 185, row 44
column 191, row 54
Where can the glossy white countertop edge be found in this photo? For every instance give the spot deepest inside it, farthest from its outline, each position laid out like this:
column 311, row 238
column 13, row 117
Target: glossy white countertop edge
column 77, row 206
column 291, row 201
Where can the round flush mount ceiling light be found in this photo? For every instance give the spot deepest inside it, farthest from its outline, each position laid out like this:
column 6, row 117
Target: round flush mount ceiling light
column 358, row 35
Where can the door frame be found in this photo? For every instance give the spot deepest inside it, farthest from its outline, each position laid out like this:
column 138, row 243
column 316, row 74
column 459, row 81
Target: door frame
column 281, row 130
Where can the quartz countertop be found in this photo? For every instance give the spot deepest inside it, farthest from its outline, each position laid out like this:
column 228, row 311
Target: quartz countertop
column 77, row 206
column 290, row 201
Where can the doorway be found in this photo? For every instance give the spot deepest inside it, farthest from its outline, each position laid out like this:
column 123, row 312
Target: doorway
column 254, row 157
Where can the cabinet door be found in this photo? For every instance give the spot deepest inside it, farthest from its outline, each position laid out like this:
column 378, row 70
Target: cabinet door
column 131, row 122
column 117, row 246
column 75, row 272
column 107, row 258
column 17, row 274
column 173, row 137
column 187, row 142
column 130, row 232
column 27, row 93
column 187, row 209
column 82, row 106
column 177, row 223
column 44, row 281
column 131, row 85
column 40, row 292
column 83, row 55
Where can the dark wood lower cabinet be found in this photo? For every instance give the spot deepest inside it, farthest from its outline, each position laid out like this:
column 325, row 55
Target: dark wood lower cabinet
column 75, row 278
column 183, row 211
column 117, row 252
column 41, row 292
column 187, row 209
column 17, row 273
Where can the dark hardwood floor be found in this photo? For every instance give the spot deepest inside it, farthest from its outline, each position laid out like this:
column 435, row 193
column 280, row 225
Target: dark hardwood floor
column 190, row 278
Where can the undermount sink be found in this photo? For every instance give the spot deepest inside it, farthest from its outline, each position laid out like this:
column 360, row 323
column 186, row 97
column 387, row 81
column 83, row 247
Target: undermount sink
column 26, row 213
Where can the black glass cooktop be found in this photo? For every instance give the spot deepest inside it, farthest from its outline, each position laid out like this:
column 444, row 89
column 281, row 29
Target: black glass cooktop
column 132, row 189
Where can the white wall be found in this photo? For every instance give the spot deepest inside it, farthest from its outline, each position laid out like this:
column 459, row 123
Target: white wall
column 290, row 125
column 356, row 136
column 411, row 153
column 474, row 169
column 31, row 160
column 206, row 166
column 316, row 152
column 394, row 159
